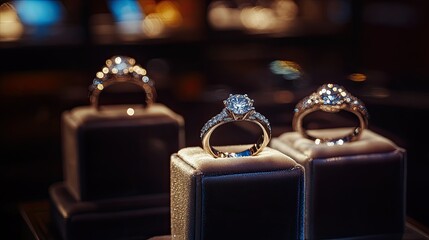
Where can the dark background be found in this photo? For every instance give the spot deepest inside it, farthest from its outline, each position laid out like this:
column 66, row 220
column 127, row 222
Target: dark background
column 48, row 68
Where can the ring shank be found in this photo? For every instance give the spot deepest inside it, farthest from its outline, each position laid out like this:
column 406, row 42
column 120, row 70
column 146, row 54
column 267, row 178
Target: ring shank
column 95, row 93
column 352, row 136
column 253, row 150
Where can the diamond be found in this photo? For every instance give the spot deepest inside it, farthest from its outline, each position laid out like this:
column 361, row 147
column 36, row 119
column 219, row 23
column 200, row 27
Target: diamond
column 239, row 104
column 332, row 94
column 120, row 64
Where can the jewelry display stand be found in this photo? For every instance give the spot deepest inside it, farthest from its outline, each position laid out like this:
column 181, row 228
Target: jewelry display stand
column 353, row 191
column 252, row 197
column 137, row 217
column 116, row 171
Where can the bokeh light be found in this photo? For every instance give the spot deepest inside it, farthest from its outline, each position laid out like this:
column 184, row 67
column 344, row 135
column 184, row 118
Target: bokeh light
column 39, row 12
column 11, row 27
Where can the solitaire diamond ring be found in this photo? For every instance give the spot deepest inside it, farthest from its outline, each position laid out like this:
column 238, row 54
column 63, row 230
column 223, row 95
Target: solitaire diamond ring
column 121, row 69
column 331, row 98
column 237, row 108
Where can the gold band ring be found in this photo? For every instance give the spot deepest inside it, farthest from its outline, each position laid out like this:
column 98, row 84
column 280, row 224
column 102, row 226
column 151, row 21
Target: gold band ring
column 331, row 98
column 121, row 69
column 237, row 108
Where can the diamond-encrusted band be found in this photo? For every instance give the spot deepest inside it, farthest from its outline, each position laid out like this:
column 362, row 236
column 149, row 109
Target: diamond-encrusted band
column 237, row 108
column 331, row 98
column 121, row 69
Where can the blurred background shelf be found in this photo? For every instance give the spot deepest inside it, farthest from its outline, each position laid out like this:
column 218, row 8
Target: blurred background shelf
column 198, row 52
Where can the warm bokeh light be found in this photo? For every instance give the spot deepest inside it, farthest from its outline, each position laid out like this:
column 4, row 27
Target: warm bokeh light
column 258, row 18
column 357, row 77
column 275, row 17
column 130, row 111
column 100, row 87
column 221, row 16
column 285, row 9
column 11, row 27
column 148, row 6
column 169, row 13
column 134, row 19
column 153, row 26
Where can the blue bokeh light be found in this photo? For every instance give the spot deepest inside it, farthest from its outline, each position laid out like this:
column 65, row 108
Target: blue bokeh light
column 125, row 10
column 39, row 12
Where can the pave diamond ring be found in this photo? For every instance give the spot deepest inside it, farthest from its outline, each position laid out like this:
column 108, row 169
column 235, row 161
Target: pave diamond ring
column 331, row 98
column 121, row 69
column 237, row 108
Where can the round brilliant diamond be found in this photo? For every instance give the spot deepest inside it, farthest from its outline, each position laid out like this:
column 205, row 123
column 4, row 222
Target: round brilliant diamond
column 239, row 104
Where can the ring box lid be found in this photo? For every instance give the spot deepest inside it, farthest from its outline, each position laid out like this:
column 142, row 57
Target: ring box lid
column 302, row 149
column 267, row 160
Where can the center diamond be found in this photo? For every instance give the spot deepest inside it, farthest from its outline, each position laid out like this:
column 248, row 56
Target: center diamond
column 239, row 104
column 332, row 94
column 120, row 64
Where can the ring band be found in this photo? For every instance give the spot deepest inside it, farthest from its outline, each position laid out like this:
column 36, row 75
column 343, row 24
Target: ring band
column 331, row 98
column 121, row 69
column 237, row 108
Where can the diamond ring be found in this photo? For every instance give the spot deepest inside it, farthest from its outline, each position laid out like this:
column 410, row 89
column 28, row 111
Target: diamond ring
column 121, row 69
column 331, row 98
column 237, row 108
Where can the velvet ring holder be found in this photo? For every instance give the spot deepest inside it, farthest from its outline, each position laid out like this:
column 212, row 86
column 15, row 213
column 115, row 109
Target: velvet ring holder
column 353, row 191
column 250, row 197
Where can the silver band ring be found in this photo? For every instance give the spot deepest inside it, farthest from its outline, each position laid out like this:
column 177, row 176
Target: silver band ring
column 331, row 98
column 121, row 69
column 237, row 108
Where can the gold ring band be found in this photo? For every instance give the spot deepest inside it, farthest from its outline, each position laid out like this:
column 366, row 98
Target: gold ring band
column 331, row 98
column 237, row 108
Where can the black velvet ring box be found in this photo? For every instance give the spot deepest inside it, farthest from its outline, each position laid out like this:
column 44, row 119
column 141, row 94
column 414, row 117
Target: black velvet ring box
column 254, row 197
column 119, row 151
column 353, row 191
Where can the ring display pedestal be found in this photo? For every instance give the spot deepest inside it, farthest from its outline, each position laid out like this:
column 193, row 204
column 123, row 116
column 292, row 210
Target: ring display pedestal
column 255, row 197
column 355, row 190
column 116, row 172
